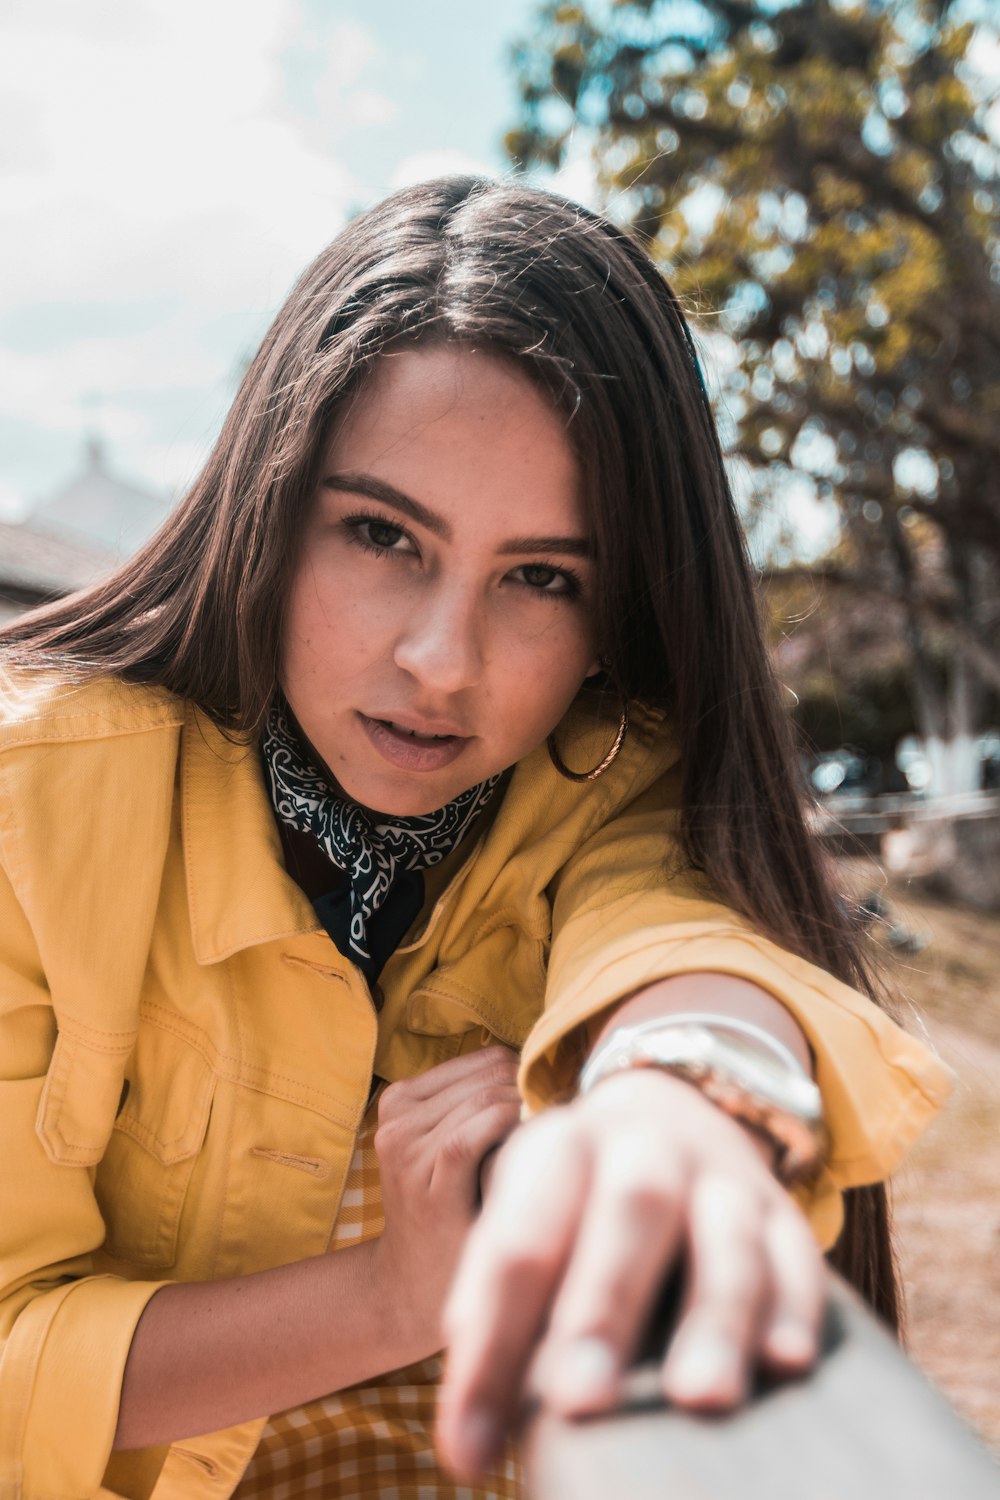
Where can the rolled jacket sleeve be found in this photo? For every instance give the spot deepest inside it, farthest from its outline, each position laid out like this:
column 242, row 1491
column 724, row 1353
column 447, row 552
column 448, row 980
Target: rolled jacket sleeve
column 63, row 1364
column 622, row 920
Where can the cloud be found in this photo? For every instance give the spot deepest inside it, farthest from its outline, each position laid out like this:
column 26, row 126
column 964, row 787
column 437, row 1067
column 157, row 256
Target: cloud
column 420, row 165
column 158, row 153
column 332, row 63
column 135, row 366
column 149, row 155
column 349, row 49
column 367, row 107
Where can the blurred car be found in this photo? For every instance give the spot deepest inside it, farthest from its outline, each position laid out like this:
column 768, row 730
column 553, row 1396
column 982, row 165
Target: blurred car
column 843, row 772
column 913, row 763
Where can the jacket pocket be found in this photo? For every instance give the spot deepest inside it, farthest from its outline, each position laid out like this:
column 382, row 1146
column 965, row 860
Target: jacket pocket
column 143, row 1177
column 499, row 984
column 82, row 1091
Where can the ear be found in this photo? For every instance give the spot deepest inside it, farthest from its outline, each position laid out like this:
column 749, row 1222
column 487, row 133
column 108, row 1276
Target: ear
column 597, row 666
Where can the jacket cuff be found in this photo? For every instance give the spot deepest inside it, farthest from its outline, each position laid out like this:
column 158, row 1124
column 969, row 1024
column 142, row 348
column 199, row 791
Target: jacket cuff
column 63, row 1367
column 880, row 1086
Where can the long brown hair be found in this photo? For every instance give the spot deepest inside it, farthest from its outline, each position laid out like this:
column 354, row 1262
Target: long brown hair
column 584, row 310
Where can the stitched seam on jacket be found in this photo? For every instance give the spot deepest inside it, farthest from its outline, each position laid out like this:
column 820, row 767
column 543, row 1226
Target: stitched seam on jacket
column 485, row 1009
column 97, row 1040
column 14, row 1414
column 254, row 1075
column 314, row 1165
column 12, row 740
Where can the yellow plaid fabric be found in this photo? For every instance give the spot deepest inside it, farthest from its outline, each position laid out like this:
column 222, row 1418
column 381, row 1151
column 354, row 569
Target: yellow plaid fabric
column 369, row 1440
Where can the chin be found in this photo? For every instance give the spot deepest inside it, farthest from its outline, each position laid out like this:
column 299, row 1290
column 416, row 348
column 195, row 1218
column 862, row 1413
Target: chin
column 400, row 801
column 405, row 807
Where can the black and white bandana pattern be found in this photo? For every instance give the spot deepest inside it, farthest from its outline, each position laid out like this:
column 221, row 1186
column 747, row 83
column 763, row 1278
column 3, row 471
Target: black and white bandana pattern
column 373, row 855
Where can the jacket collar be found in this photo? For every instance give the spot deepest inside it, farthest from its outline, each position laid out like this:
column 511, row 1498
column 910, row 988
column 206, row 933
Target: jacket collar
column 239, row 892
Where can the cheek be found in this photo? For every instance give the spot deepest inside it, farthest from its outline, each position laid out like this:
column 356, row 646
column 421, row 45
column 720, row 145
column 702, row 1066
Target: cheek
column 540, row 676
column 562, row 650
column 329, row 630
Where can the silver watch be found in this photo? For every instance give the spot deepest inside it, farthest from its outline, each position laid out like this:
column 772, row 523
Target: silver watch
column 742, row 1068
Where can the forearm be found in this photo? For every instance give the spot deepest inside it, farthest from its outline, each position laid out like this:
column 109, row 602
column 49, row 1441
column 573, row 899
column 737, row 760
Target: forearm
column 723, row 994
column 206, row 1355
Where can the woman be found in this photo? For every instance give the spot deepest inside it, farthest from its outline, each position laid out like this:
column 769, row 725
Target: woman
column 437, row 717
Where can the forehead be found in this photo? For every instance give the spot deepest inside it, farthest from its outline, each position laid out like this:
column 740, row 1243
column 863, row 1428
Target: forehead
column 456, row 428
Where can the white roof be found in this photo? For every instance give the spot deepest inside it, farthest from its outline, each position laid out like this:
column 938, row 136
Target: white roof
column 101, row 510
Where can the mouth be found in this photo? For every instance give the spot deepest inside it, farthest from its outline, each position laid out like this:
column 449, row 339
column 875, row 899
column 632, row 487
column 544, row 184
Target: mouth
column 410, row 747
column 415, row 734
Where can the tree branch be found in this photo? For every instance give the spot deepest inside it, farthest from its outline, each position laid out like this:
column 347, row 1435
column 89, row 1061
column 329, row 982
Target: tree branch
column 935, row 611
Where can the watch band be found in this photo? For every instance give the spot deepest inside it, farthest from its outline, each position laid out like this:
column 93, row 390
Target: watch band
column 742, row 1068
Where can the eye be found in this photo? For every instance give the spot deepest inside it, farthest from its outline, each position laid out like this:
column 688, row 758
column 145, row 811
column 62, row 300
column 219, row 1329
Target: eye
column 375, row 534
column 543, row 578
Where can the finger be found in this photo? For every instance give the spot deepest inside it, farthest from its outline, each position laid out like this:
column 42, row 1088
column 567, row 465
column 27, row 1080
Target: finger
column 460, row 1142
column 791, row 1333
column 441, row 1141
column 628, row 1241
column 499, row 1062
column 711, row 1351
column 421, row 1108
column 486, row 1169
column 504, row 1287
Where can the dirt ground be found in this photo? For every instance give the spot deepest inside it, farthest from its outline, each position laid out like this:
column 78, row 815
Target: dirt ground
column 947, row 1196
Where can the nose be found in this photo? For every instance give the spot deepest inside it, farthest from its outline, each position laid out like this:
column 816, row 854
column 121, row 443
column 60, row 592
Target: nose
column 440, row 643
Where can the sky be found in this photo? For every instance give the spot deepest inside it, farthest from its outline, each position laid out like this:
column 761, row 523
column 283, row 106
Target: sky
column 168, row 167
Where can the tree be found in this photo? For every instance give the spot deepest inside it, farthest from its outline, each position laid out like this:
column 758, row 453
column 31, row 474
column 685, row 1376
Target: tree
column 845, row 670
column 821, row 176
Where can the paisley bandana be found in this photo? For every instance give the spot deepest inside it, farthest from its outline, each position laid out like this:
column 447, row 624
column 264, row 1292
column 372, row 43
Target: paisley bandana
column 382, row 860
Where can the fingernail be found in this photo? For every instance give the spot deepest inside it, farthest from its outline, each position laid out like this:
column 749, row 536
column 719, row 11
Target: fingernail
column 478, row 1440
column 585, row 1372
column 706, row 1366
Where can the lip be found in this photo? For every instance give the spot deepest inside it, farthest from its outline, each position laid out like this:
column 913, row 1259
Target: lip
column 413, row 753
column 416, row 725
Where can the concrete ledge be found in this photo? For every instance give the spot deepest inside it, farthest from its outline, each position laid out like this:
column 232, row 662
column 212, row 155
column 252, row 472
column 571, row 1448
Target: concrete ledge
column 865, row 1426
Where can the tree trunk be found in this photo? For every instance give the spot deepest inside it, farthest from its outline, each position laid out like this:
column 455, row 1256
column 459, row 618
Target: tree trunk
column 929, row 701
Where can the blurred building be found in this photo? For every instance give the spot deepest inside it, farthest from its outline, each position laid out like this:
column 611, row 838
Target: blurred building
column 77, row 535
column 101, row 510
column 36, row 565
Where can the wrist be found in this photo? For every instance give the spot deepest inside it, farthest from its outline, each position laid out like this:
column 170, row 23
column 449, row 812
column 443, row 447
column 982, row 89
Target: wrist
column 405, row 1299
column 737, row 1065
column 393, row 1317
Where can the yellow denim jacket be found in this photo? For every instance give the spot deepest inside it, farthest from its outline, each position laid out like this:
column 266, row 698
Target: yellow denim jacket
column 185, row 1058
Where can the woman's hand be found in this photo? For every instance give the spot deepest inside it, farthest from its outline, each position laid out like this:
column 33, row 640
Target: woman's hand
column 210, row 1354
column 591, row 1205
column 433, row 1133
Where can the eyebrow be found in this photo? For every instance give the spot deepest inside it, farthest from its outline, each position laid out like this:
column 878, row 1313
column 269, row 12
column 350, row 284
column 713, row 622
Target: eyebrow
column 388, row 494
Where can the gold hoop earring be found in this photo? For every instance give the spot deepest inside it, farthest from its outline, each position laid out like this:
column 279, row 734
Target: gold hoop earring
column 600, row 769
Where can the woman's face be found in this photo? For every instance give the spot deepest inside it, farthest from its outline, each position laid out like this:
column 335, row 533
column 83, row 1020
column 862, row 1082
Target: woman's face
column 439, row 619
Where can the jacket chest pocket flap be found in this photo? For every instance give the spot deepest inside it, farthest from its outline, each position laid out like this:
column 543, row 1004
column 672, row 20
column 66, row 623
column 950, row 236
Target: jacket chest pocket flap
column 499, row 983
column 143, row 1178
column 83, row 1088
